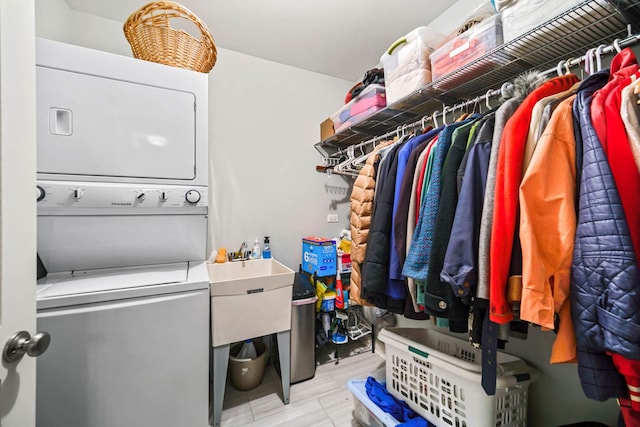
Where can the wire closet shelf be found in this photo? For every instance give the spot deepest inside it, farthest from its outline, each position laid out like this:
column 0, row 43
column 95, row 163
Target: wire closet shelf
column 564, row 39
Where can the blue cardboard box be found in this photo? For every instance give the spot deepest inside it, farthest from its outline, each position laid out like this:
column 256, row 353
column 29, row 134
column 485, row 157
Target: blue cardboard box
column 319, row 256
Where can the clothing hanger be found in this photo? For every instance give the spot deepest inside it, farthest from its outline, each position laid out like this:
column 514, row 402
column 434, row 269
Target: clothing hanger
column 476, row 103
column 444, row 114
column 423, row 123
column 616, row 45
column 486, row 99
column 463, row 115
column 589, row 58
column 559, row 68
column 599, row 50
column 341, row 168
column 433, row 119
column 567, row 65
column 359, row 161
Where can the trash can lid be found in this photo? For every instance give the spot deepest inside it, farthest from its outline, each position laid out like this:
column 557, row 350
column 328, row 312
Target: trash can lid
column 302, row 287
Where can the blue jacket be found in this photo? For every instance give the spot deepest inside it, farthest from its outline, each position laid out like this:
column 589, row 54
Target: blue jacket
column 461, row 259
column 396, row 286
column 605, row 297
column 439, row 299
column 417, row 263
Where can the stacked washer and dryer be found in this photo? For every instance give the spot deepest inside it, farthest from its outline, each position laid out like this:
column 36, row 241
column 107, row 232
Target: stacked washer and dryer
column 122, row 226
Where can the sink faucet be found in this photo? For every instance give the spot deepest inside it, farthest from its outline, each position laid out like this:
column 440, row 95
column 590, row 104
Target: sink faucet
column 243, row 247
column 241, row 254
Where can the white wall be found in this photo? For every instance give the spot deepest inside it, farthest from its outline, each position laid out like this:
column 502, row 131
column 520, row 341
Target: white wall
column 264, row 121
column 264, row 118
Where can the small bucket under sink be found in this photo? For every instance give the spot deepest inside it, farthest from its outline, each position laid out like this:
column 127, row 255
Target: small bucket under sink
column 246, row 374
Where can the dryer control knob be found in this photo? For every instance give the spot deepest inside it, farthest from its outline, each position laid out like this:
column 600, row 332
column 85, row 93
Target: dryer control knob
column 141, row 196
column 192, row 196
column 78, row 193
column 40, row 193
column 164, row 196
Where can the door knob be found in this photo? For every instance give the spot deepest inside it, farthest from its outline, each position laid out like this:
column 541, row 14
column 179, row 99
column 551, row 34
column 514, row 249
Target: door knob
column 22, row 342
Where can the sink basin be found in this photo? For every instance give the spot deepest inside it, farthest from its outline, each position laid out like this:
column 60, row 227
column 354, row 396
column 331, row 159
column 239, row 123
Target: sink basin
column 249, row 299
column 240, row 277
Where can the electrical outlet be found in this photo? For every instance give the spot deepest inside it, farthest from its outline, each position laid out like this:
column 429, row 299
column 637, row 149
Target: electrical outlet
column 332, row 217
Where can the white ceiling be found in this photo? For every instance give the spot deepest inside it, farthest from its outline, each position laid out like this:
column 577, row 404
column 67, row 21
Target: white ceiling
column 341, row 38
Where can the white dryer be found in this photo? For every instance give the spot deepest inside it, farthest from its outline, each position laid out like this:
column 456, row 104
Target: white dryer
column 122, row 225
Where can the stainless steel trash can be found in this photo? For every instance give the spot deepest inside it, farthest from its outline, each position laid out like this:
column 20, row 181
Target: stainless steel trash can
column 303, row 318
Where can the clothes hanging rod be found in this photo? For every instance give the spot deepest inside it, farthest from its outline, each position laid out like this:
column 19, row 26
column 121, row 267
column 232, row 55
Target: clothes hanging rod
column 563, row 66
column 401, row 129
column 594, row 54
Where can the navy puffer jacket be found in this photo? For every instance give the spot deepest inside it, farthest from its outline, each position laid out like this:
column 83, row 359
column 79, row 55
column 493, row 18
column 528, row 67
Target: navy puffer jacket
column 605, row 286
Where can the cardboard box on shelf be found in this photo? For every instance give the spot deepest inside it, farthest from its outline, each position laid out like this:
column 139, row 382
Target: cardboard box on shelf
column 326, row 129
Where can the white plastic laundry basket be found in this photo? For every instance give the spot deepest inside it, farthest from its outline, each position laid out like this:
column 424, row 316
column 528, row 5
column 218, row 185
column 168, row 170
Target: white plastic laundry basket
column 439, row 377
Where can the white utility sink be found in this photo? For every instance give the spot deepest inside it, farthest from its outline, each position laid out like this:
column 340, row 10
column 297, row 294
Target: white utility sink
column 249, row 299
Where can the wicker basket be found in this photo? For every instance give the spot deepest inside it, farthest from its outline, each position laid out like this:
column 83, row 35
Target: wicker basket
column 152, row 39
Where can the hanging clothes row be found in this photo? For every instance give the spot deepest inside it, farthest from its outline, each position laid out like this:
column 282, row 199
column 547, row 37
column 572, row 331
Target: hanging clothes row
column 526, row 214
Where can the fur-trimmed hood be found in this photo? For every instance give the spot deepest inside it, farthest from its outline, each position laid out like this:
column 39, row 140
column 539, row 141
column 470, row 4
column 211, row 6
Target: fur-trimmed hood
column 523, row 85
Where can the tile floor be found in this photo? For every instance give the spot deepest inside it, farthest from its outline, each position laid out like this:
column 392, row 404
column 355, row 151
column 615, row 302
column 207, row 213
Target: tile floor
column 323, row 401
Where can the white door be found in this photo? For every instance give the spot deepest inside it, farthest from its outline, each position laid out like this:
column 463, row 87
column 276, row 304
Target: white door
column 17, row 206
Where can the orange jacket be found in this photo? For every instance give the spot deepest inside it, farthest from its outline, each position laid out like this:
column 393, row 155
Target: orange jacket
column 508, row 177
column 547, row 231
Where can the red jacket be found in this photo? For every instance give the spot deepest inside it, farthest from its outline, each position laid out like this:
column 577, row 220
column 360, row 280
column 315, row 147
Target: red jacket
column 608, row 123
column 505, row 211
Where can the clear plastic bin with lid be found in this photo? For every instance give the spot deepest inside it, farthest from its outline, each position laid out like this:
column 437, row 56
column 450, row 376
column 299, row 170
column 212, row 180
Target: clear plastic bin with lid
column 407, row 65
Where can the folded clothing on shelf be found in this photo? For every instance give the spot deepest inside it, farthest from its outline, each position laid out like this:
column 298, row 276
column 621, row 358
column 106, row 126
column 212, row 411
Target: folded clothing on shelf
column 370, row 100
column 374, row 76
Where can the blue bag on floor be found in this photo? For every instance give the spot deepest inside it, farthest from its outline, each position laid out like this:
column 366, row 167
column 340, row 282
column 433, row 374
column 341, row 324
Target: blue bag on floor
column 389, row 404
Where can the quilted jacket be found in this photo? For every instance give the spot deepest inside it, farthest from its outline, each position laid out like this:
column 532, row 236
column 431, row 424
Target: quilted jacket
column 361, row 209
column 605, row 291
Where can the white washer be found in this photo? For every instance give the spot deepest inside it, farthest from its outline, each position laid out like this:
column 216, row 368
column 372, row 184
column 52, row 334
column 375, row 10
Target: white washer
column 126, row 349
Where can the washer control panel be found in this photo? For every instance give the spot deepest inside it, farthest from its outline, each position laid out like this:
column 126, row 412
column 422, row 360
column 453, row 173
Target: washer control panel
column 92, row 195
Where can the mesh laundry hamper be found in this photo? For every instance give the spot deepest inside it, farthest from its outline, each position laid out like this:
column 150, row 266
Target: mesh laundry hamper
column 439, row 377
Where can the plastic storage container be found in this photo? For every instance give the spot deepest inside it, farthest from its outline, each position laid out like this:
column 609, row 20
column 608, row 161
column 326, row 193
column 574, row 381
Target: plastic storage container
column 522, row 16
column 406, row 63
column 370, row 100
column 467, row 47
column 365, row 411
column 328, row 302
column 440, row 378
